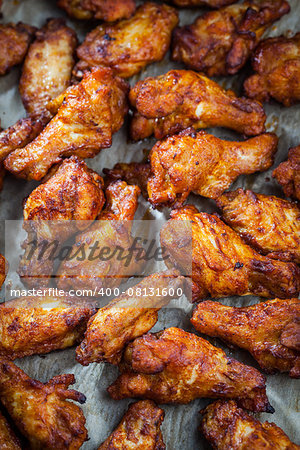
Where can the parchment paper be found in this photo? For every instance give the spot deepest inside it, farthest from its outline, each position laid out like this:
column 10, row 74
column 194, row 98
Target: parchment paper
column 103, row 414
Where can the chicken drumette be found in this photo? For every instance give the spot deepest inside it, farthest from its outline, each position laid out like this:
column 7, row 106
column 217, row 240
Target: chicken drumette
column 109, row 11
column 279, row 77
column 173, row 366
column 139, row 429
column 203, row 164
column 270, row 331
column 179, row 99
column 220, row 42
column 288, row 174
column 222, row 264
column 130, row 45
column 87, row 115
column 228, row 427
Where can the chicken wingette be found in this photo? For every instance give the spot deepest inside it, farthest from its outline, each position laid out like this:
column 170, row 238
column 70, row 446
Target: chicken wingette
column 109, row 11
column 223, row 264
column 174, row 366
column 203, row 164
column 270, row 331
column 288, row 174
column 179, row 99
column 267, row 223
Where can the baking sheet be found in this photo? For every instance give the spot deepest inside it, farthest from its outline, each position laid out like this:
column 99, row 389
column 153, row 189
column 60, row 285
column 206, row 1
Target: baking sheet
column 103, row 414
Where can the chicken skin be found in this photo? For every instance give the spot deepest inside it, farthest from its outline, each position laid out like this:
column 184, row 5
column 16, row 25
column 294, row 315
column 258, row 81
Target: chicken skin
column 228, row 427
column 3, row 269
column 270, row 331
column 48, row 67
column 130, row 45
column 278, row 77
column 132, row 173
column 8, row 439
column 34, row 326
column 180, row 99
column 267, row 223
column 126, row 317
column 288, row 174
column 109, row 11
column 14, row 43
column 222, row 264
column 139, row 429
column 88, row 114
column 71, row 199
column 41, row 411
column 203, row 164
column 220, row 42
column 174, row 366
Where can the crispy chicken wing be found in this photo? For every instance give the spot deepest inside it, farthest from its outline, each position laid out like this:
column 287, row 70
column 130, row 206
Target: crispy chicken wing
column 220, row 42
column 179, row 99
column 228, row 427
column 30, row 326
column 130, row 45
column 278, row 77
column 267, row 223
column 139, row 429
column 88, row 114
column 203, row 164
column 288, row 174
column 132, row 173
column 8, row 439
column 261, row 329
column 223, row 265
column 48, row 66
column 126, row 318
column 14, row 43
column 109, row 11
column 42, row 412
column 173, row 366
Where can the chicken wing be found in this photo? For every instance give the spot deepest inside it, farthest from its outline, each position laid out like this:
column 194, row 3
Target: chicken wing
column 228, row 427
column 88, row 114
column 278, row 77
column 267, row 223
column 288, row 174
column 126, row 318
column 179, row 99
column 203, row 164
column 173, row 366
column 220, row 42
column 139, row 429
column 71, row 199
column 3, row 269
column 42, row 412
column 48, row 67
column 262, row 329
column 130, row 45
column 14, row 43
column 8, row 439
column 105, row 256
column 132, row 173
column 33, row 326
column 222, row 264
column 109, row 11
column 210, row 3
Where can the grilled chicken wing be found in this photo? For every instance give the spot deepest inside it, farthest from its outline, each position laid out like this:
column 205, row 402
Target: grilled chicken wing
column 267, row 223
column 42, row 412
column 14, row 43
column 109, row 11
column 203, row 164
column 88, row 114
column 31, row 326
column 173, row 366
column 270, row 331
column 139, row 429
column 228, row 427
column 179, row 99
column 48, row 67
column 278, row 77
column 288, row 174
column 222, row 264
column 126, row 318
column 130, row 45
column 99, row 269
column 220, row 42
column 210, row 3
column 132, row 173
column 8, row 439
column 71, row 199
